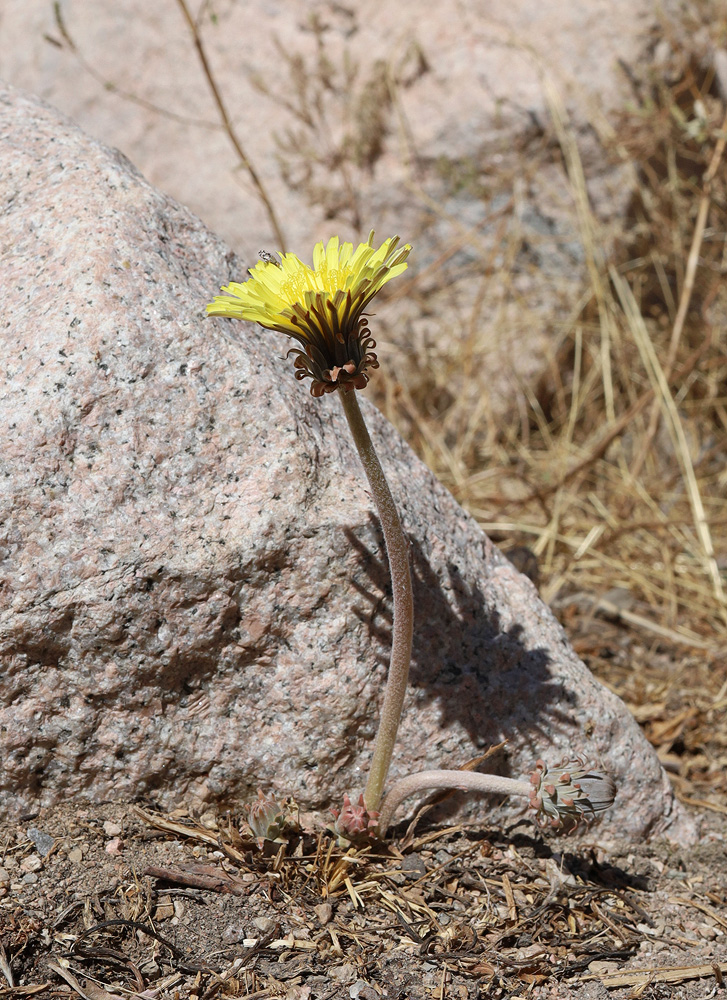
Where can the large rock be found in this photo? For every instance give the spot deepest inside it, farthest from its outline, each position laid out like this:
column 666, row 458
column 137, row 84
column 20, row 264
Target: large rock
column 194, row 598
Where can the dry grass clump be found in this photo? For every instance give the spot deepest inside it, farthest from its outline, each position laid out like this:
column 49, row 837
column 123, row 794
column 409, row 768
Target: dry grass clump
column 681, row 707
column 612, row 464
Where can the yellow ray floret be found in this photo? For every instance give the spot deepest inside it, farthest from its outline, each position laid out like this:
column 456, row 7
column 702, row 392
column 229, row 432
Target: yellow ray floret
column 320, row 306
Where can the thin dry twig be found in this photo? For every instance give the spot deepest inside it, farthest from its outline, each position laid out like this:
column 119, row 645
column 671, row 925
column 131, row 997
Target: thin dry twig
column 230, row 129
column 193, row 832
column 654, row 974
column 557, row 466
column 110, row 86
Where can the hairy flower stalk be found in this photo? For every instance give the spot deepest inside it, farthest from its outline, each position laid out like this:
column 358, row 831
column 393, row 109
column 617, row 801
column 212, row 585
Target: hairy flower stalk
column 466, row 781
column 403, row 627
column 564, row 797
column 322, row 308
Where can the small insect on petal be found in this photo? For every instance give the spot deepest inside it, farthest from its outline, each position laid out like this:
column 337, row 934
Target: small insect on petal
column 268, row 258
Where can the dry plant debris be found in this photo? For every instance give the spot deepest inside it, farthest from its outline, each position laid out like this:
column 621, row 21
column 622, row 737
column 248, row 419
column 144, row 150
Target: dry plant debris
column 184, row 906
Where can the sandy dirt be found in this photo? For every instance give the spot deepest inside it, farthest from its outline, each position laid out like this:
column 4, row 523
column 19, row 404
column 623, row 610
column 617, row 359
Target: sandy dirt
column 112, row 901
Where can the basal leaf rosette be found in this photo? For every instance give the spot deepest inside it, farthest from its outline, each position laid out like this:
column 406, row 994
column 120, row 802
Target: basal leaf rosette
column 321, row 307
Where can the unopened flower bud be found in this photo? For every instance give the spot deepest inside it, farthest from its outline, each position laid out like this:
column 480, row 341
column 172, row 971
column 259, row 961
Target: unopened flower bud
column 266, row 818
column 573, row 792
column 353, row 820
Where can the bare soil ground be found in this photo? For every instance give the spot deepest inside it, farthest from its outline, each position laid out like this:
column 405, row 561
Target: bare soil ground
column 113, row 901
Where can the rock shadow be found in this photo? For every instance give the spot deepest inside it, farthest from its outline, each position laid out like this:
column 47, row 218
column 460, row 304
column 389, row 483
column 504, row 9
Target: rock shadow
column 483, row 678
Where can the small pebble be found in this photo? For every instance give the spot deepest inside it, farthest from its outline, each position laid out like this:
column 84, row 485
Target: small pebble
column 415, row 866
column 30, row 879
column 75, row 855
column 264, row 924
column 362, row 991
column 114, row 846
column 598, row 968
column 165, row 908
column 4, row 876
column 647, row 930
column 209, row 819
column 343, row 974
column 324, row 912
column 707, row 931
column 530, row 951
column 233, row 933
column 32, row 863
column 112, row 829
column 43, row 841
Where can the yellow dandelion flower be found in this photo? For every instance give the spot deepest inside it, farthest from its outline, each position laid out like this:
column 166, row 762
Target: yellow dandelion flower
column 321, row 306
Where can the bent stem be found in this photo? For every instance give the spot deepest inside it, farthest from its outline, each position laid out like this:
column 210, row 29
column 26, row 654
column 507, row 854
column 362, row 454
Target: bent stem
column 403, row 626
column 468, row 781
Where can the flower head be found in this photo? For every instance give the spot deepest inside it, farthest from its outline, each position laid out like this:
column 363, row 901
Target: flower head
column 571, row 793
column 321, row 306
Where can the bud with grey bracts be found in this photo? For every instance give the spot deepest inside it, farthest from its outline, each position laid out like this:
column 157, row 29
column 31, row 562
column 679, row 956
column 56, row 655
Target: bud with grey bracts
column 576, row 791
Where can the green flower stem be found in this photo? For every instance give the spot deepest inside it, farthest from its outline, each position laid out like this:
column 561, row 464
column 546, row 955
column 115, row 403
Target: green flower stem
column 397, row 550
column 468, row 781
